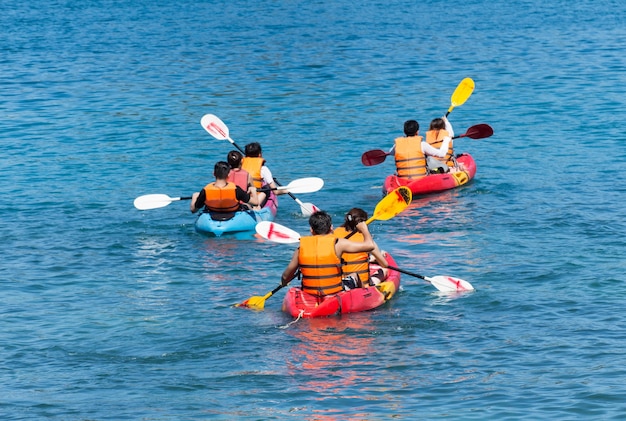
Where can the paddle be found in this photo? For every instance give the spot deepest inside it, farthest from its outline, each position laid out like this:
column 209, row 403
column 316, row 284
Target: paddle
column 378, row 156
column 257, row 302
column 155, row 201
column 390, row 205
column 219, row 130
column 281, row 234
column 300, row 185
column 461, row 94
column 442, row 283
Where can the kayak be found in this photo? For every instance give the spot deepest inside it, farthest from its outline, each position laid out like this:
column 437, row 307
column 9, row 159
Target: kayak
column 302, row 304
column 435, row 183
column 243, row 221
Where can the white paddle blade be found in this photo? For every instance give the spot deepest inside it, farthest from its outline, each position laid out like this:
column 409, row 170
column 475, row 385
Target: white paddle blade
column 215, row 127
column 304, row 185
column 450, row 284
column 308, row 209
column 277, row 233
column 152, row 201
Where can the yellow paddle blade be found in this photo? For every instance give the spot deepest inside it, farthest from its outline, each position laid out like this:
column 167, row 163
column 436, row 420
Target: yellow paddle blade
column 256, row 302
column 462, row 92
column 392, row 204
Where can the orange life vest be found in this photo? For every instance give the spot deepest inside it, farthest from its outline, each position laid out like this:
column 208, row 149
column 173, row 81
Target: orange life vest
column 253, row 167
column 354, row 262
column 222, row 199
column 239, row 177
column 435, row 139
column 410, row 160
column 320, row 266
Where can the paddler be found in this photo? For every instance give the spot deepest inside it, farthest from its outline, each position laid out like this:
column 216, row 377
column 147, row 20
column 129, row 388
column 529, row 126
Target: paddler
column 221, row 198
column 356, row 266
column 254, row 164
column 411, row 151
column 319, row 256
column 438, row 131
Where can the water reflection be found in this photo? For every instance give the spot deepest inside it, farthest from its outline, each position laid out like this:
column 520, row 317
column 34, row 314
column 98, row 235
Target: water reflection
column 329, row 356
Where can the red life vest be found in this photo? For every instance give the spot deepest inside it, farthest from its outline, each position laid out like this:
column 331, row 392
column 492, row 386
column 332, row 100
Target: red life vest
column 222, row 199
column 239, row 177
column 320, row 266
column 410, row 160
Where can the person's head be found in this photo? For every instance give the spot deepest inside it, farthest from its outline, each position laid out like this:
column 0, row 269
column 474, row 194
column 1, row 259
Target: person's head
column 253, row 149
column 353, row 218
column 437, row 124
column 221, row 170
column 411, row 127
column 321, row 223
column 234, row 159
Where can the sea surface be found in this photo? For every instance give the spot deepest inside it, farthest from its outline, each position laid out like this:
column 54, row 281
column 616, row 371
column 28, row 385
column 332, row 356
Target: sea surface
column 111, row 313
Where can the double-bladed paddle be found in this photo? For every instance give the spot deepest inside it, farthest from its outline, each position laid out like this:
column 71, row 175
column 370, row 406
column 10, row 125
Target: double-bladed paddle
column 281, row 234
column 219, row 130
column 390, row 206
column 378, row 156
column 300, row 185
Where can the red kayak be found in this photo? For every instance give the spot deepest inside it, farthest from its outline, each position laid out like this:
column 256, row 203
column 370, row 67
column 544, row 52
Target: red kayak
column 434, row 183
column 298, row 303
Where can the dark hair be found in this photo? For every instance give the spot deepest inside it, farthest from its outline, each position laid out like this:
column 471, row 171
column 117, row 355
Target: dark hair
column 234, row 159
column 221, row 170
column 437, row 124
column 321, row 222
column 411, row 127
column 353, row 218
column 253, row 149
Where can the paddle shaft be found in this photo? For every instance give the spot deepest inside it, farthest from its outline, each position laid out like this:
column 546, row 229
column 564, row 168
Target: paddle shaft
column 407, row 272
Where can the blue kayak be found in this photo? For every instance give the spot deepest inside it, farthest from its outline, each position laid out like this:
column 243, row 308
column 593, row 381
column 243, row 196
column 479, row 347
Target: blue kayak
column 243, row 221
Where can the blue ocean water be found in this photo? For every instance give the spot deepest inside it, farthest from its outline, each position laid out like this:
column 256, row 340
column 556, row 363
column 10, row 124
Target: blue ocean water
column 110, row 313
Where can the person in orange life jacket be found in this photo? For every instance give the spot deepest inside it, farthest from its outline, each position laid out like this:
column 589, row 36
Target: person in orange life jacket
column 411, row 152
column 238, row 175
column 440, row 129
column 356, row 266
column 221, row 198
column 254, row 163
column 319, row 256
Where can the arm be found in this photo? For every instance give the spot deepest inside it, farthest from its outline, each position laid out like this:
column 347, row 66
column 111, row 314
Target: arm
column 379, row 256
column 268, row 178
column 346, row 246
column 197, row 201
column 441, row 152
column 449, row 128
column 291, row 269
column 244, row 197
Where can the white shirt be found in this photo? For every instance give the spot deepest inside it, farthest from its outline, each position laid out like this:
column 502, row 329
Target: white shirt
column 266, row 175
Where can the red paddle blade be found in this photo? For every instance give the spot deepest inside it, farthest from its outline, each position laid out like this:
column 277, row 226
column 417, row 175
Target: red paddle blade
column 479, row 131
column 374, row 157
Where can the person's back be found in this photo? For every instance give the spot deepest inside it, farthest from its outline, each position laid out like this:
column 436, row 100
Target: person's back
column 253, row 163
column 410, row 159
column 221, row 198
column 237, row 174
column 318, row 256
column 319, row 265
column 356, row 266
column 436, row 135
